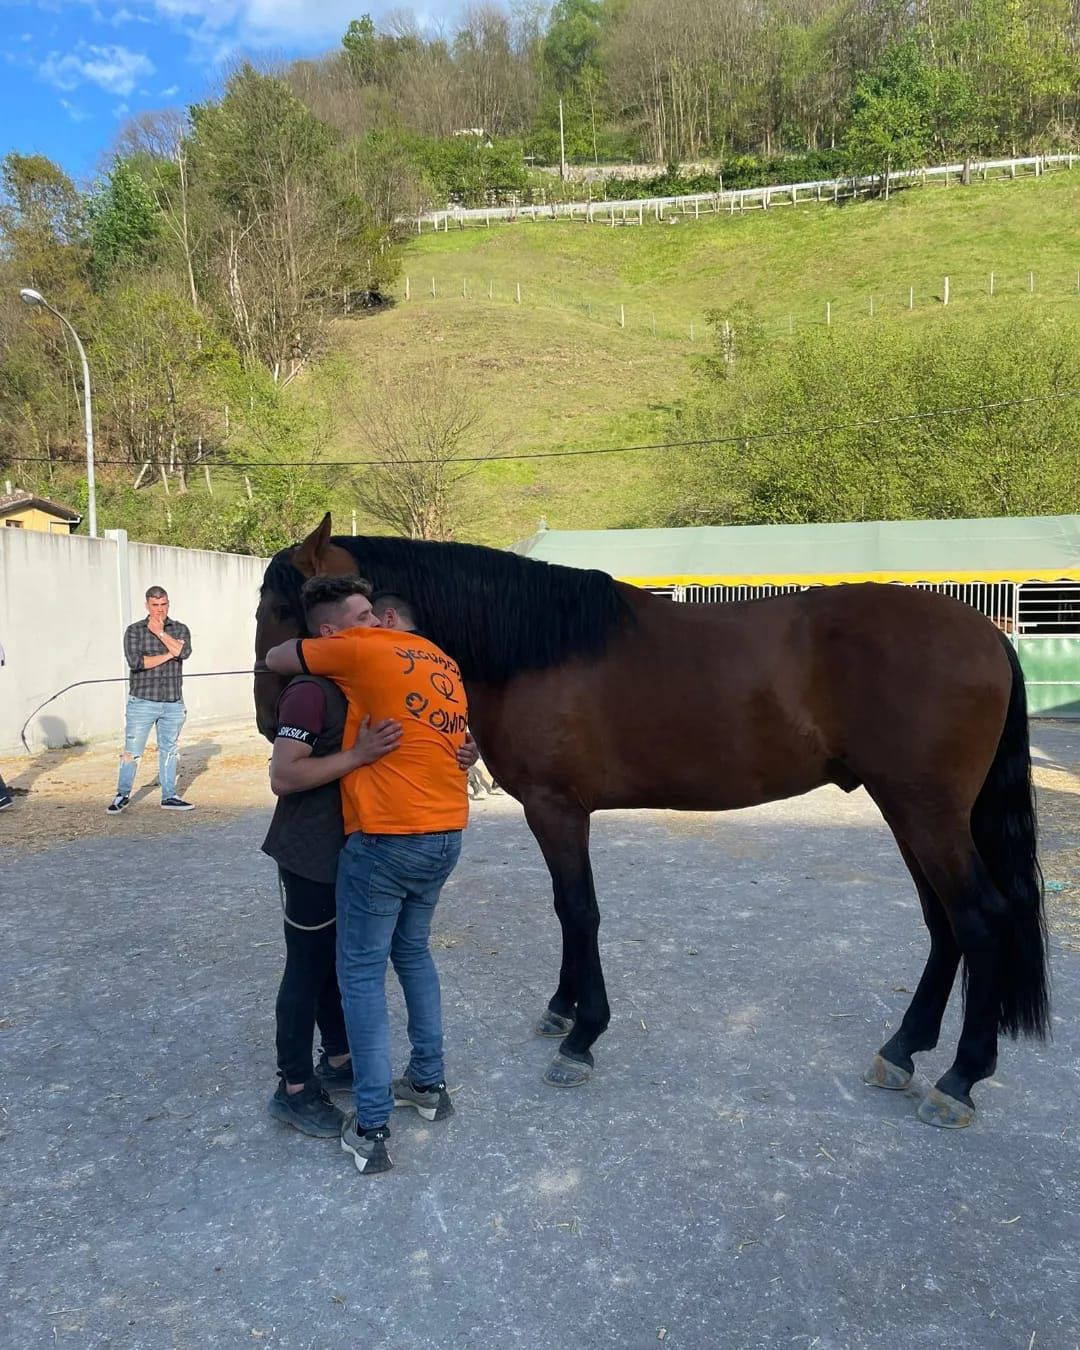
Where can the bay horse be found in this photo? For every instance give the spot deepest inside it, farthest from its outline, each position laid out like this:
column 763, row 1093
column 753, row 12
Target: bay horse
column 586, row 694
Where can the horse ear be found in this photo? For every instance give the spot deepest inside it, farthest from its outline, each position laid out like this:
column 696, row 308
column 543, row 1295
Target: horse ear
column 308, row 557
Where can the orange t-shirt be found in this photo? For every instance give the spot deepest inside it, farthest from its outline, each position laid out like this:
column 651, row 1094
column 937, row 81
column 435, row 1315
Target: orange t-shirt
column 417, row 788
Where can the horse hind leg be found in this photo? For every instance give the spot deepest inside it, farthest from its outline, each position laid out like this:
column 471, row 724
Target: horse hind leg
column 978, row 917
column 893, row 1064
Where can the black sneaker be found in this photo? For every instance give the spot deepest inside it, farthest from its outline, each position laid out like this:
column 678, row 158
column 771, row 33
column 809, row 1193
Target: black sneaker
column 368, row 1147
column 309, row 1110
column 177, row 804
column 117, row 804
column 433, row 1102
column 334, row 1080
column 6, row 800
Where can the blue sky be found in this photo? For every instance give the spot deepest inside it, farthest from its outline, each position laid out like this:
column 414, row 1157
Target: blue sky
column 72, row 70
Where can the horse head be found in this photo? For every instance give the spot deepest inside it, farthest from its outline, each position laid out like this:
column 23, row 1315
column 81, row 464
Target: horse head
column 280, row 615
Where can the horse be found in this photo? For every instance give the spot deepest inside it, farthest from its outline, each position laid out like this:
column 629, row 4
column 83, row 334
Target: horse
column 587, row 694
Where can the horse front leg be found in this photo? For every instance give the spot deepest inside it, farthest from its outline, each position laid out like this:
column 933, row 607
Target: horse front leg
column 579, row 1008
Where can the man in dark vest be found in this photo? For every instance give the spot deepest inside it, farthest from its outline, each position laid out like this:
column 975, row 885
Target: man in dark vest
column 306, row 835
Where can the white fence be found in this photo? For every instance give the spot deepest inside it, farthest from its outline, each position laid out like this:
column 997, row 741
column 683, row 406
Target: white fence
column 738, row 199
column 64, row 604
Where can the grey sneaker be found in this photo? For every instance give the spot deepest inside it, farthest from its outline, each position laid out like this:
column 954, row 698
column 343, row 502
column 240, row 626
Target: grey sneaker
column 117, row 804
column 433, row 1102
column 368, row 1147
column 310, row 1110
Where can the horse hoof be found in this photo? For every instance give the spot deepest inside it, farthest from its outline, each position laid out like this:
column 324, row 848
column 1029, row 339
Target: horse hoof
column 882, row 1074
column 563, row 1072
column 948, row 1113
column 553, row 1024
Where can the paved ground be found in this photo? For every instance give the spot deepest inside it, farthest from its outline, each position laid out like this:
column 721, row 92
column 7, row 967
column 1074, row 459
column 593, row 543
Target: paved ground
column 724, row 1181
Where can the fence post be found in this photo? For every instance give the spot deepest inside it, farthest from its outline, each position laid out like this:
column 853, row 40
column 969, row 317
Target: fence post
column 828, row 313
column 945, row 297
column 406, row 288
column 419, row 225
column 641, row 214
column 696, row 213
column 491, row 290
column 871, row 306
column 519, row 292
column 991, row 283
column 1031, row 283
column 911, row 297
column 622, row 316
column 433, row 288
column 652, row 324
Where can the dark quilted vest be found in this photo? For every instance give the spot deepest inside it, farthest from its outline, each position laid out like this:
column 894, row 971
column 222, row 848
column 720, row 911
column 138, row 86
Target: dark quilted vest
column 307, row 832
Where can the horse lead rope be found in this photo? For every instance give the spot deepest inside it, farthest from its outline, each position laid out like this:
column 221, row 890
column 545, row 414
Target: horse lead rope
column 258, row 669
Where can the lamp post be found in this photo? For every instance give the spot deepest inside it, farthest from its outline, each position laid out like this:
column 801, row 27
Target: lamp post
column 36, row 299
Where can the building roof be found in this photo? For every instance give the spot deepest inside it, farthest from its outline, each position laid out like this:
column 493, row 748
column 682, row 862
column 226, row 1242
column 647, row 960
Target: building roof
column 1034, row 548
column 22, row 501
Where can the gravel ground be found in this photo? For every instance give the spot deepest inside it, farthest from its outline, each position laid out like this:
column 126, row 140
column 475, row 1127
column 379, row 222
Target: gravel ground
column 724, row 1180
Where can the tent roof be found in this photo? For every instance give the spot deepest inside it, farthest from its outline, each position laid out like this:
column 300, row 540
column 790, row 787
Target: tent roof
column 1034, row 548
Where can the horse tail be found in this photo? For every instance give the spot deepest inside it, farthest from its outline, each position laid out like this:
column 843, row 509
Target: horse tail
column 1003, row 826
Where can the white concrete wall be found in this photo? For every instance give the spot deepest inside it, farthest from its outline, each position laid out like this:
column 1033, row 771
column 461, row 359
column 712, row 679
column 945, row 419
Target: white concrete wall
column 64, row 604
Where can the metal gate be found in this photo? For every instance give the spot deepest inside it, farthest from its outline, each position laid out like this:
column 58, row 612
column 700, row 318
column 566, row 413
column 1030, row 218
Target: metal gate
column 1042, row 619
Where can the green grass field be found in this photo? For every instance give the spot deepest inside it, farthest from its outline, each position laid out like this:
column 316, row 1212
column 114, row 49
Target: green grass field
column 557, row 372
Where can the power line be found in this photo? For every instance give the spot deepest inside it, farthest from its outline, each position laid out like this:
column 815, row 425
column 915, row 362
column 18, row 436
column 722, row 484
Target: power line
column 735, row 438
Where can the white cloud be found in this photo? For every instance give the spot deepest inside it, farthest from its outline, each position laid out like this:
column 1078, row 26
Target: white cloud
column 113, row 68
column 171, row 92
column 74, row 112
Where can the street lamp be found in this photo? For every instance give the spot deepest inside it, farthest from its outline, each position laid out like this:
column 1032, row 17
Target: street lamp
column 36, row 299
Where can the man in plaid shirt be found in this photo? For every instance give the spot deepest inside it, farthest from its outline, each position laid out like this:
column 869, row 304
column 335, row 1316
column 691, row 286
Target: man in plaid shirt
column 156, row 648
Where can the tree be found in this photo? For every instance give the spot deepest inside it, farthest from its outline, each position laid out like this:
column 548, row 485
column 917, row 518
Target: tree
column 422, row 434
column 124, row 223
column 890, row 114
column 291, row 230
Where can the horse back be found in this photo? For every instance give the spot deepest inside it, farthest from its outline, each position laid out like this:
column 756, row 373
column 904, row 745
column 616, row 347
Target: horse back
column 715, row 706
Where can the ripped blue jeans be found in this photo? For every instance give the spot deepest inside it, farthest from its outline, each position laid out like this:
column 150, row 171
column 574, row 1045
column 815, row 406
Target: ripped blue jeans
column 142, row 715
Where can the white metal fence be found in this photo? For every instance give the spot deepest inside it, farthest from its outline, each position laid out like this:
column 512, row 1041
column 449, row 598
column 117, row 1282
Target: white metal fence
column 733, row 201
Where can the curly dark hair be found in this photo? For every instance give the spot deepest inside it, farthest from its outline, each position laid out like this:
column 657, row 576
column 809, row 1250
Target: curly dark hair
column 318, row 591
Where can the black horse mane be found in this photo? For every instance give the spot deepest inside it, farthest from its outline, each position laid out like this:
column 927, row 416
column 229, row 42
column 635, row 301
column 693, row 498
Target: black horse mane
column 495, row 613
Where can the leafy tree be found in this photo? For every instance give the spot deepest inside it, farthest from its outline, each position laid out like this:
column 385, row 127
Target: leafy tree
column 890, row 114
column 124, row 223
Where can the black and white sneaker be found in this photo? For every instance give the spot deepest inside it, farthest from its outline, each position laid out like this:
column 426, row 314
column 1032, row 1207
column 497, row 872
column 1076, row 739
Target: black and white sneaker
column 117, row 804
column 176, row 804
column 368, row 1147
column 309, row 1110
column 6, row 800
column 433, row 1102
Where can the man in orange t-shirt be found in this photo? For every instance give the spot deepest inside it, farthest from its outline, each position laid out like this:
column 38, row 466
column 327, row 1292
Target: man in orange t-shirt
column 403, row 820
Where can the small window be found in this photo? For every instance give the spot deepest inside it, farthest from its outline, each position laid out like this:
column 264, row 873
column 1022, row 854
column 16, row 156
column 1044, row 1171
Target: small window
column 14, row 524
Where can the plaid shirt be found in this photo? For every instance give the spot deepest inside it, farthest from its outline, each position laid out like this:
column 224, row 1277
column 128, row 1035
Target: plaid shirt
column 163, row 684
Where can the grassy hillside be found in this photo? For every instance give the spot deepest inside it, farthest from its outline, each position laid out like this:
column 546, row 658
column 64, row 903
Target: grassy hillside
column 557, row 372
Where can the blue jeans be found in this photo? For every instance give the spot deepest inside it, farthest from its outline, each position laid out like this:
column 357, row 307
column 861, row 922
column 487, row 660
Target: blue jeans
column 142, row 714
column 387, row 888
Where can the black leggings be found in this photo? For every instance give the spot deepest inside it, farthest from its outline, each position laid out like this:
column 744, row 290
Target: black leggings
column 309, row 989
